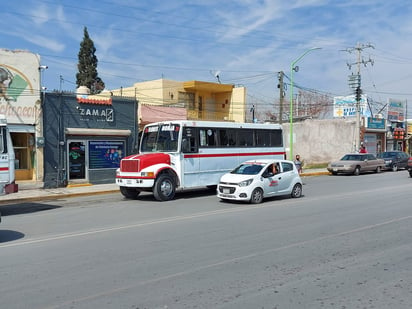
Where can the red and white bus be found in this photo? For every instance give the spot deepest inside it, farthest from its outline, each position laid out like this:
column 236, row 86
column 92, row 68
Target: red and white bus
column 7, row 158
column 185, row 154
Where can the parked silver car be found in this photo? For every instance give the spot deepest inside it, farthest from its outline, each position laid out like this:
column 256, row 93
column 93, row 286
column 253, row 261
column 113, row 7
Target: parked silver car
column 356, row 163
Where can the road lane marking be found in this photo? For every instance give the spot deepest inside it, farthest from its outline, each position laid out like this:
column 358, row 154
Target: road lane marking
column 222, row 262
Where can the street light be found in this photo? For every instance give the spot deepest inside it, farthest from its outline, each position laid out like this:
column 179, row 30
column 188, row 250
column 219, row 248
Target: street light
column 294, row 68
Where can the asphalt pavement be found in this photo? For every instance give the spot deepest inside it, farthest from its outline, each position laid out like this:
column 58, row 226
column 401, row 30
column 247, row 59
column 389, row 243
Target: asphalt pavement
column 30, row 191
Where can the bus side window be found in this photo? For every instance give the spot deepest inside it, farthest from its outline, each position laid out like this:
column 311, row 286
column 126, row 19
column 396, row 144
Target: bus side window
column 207, row 137
column 189, row 143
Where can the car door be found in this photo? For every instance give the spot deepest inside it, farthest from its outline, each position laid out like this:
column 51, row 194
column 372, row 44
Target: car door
column 403, row 158
column 372, row 162
column 285, row 178
column 270, row 182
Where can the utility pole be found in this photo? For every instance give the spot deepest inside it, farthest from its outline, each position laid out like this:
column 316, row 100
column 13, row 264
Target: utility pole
column 355, row 80
column 281, row 95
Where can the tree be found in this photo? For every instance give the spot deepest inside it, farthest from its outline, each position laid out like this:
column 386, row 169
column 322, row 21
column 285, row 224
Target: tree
column 87, row 66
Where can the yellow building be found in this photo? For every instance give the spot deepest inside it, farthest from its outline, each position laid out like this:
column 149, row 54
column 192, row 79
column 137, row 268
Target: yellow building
column 194, row 100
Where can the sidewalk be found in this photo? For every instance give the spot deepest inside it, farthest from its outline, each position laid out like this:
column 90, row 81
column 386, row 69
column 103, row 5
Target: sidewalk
column 30, row 191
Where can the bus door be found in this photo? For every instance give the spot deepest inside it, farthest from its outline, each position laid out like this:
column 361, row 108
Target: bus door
column 190, row 157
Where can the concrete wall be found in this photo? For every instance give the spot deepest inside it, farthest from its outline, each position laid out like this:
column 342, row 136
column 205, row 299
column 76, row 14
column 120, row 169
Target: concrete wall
column 321, row 141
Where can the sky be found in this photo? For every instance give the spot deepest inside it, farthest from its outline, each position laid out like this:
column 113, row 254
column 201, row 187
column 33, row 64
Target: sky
column 243, row 42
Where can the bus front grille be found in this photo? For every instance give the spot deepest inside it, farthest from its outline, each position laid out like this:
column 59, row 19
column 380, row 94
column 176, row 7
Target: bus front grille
column 129, row 165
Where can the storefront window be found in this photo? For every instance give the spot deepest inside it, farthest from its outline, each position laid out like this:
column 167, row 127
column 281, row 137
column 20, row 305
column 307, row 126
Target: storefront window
column 21, row 150
column 105, row 154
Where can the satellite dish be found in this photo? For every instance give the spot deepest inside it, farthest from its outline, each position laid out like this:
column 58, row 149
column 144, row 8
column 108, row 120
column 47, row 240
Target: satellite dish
column 217, row 73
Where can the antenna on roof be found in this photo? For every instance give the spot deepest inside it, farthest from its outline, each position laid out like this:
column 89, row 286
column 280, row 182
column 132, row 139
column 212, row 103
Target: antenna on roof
column 216, row 74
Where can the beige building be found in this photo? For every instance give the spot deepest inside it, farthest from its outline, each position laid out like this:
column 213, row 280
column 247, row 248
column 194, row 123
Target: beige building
column 164, row 99
column 20, row 102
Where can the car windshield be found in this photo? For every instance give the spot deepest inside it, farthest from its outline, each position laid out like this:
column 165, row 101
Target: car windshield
column 352, row 157
column 247, row 169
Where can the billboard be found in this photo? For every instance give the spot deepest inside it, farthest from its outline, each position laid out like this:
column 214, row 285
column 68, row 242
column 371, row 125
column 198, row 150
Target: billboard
column 396, row 110
column 19, row 86
column 345, row 107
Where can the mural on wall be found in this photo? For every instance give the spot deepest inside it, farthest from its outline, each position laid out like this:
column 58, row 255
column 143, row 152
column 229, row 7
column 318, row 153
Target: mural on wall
column 19, row 86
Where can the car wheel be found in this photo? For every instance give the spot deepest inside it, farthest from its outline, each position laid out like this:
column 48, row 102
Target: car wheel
column 410, row 174
column 378, row 169
column 334, row 173
column 257, row 196
column 130, row 193
column 296, row 191
column 394, row 168
column 356, row 172
column 164, row 188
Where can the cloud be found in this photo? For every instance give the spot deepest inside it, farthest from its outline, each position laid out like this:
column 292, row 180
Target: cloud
column 40, row 14
column 44, row 42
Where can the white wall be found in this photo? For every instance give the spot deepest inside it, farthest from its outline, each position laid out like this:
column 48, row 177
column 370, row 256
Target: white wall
column 321, row 141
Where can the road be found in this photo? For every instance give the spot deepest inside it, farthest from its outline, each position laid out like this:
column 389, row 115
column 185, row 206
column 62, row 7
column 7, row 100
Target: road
column 344, row 244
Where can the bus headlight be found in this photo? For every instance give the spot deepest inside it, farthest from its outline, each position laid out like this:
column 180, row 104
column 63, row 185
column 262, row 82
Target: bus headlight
column 148, row 174
column 245, row 183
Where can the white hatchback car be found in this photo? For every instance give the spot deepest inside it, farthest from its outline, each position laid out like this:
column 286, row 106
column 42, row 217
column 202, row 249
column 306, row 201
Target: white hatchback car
column 252, row 181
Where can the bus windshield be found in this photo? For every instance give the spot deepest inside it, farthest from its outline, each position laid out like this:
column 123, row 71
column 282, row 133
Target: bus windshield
column 160, row 138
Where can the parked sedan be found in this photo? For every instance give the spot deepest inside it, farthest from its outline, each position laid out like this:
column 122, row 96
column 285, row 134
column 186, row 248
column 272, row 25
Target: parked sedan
column 252, row 181
column 394, row 160
column 356, row 163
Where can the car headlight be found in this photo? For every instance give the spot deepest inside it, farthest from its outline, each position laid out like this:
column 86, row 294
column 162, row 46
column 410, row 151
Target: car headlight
column 245, row 183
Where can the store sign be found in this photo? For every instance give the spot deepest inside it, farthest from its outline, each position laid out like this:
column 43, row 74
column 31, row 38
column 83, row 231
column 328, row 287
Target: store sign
column 376, row 123
column 96, row 114
column 105, row 154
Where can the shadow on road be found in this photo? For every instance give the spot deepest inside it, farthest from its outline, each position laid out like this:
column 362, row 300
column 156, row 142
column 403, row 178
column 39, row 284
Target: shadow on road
column 25, row 208
column 8, row 235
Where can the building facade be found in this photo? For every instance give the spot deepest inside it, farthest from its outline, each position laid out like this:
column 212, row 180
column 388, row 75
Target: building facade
column 86, row 137
column 20, row 102
column 195, row 100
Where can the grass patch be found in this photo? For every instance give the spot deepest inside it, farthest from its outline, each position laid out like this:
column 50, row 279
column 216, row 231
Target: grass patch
column 316, row 165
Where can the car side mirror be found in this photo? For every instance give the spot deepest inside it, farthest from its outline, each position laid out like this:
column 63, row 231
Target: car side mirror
column 267, row 174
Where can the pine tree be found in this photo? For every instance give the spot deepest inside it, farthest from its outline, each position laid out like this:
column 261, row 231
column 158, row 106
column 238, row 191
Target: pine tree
column 87, row 66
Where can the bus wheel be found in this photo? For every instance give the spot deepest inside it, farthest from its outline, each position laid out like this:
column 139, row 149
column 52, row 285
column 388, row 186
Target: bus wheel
column 131, row 193
column 164, row 188
column 257, row 196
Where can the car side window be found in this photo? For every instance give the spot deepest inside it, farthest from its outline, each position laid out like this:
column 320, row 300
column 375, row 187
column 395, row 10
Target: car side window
column 286, row 167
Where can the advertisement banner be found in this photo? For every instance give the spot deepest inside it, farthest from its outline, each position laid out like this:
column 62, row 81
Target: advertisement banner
column 105, row 154
column 345, row 107
column 396, row 110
